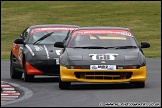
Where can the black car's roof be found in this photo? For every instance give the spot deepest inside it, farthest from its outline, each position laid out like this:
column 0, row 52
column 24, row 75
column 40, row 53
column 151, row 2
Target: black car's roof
column 102, row 27
column 51, row 25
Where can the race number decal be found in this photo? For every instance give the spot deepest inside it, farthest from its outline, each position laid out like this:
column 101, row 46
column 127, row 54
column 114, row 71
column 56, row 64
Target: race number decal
column 102, row 67
column 38, row 48
column 106, row 56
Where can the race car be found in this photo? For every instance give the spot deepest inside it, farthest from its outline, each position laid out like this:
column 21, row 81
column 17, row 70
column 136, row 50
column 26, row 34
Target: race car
column 102, row 54
column 32, row 53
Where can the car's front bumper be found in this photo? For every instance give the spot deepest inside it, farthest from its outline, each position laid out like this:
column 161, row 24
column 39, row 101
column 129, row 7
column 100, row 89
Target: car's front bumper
column 87, row 75
column 43, row 68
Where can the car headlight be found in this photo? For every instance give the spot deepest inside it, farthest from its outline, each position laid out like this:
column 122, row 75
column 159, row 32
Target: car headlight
column 128, row 67
column 73, row 67
column 117, row 67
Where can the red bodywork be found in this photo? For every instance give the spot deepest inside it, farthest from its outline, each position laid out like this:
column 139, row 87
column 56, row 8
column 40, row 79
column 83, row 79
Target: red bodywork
column 29, row 69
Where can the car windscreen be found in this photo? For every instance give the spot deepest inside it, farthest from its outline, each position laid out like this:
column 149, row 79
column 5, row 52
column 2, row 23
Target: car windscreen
column 58, row 35
column 101, row 38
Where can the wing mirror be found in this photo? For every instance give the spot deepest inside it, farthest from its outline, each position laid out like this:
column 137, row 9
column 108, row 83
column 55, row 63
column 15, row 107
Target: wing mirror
column 19, row 41
column 59, row 44
column 145, row 45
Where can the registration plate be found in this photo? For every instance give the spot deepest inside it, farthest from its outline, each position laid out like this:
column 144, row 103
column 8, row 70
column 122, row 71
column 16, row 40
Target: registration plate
column 102, row 67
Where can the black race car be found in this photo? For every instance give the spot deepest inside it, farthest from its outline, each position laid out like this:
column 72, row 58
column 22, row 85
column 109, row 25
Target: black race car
column 102, row 55
column 33, row 53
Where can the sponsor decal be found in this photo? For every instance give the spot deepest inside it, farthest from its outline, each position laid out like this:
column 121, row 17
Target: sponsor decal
column 38, row 48
column 120, row 32
column 20, row 53
column 58, row 52
column 46, row 52
column 57, row 61
column 108, row 37
column 15, row 46
column 102, row 67
column 30, row 50
column 50, row 29
column 107, row 56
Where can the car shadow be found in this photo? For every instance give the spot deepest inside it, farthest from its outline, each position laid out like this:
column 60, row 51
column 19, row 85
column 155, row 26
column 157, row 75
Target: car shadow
column 100, row 86
column 44, row 80
column 53, row 79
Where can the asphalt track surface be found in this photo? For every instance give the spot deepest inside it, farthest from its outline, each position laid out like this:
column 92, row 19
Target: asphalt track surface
column 44, row 91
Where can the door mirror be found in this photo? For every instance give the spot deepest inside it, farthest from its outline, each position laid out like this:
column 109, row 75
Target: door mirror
column 19, row 41
column 145, row 45
column 59, row 44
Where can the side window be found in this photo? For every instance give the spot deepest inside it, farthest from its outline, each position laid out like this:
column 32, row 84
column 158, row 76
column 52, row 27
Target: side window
column 24, row 34
column 21, row 36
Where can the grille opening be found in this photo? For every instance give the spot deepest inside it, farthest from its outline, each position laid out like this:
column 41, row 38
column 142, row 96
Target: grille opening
column 49, row 69
column 103, row 75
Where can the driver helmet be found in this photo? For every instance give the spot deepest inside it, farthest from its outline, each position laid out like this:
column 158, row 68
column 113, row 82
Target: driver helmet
column 82, row 39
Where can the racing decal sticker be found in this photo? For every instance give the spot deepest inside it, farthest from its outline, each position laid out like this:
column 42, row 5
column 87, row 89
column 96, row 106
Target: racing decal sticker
column 30, row 50
column 46, row 52
column 58, row 52
column 57, row 61
column 20, row 53
column 108, row 37
column 38, row 48
column 107, row 56
column 50, row 29
column 15, row 46
column 120, row 32
column 102, row 67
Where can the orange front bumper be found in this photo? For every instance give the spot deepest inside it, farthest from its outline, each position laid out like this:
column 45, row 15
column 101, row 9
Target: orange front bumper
column 69, row 75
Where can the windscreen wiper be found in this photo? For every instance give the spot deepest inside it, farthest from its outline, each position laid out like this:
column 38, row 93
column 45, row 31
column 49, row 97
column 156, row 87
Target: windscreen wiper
column 125, row 47
column 94, row 47
column 43, row 37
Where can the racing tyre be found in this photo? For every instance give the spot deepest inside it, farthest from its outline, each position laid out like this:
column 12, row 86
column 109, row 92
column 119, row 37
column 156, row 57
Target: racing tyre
column 13, row 73
column 64, row 85
column 27, row 78
column 138, row 84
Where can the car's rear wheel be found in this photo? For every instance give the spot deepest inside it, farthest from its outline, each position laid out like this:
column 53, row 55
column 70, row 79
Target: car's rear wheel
column 27, row 78
column 13, row 73
column 138, row 84
column 64, row 85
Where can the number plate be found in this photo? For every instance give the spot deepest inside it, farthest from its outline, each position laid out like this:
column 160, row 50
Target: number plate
column 102, row 67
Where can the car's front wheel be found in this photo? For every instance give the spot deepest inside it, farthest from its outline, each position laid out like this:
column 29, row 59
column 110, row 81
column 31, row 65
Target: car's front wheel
column 64, row 85
column 13, row 73
column 138, row 84
column 27, row 78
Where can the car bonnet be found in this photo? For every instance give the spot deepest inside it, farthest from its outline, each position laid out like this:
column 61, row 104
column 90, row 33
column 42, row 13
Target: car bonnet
column 102, row 54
